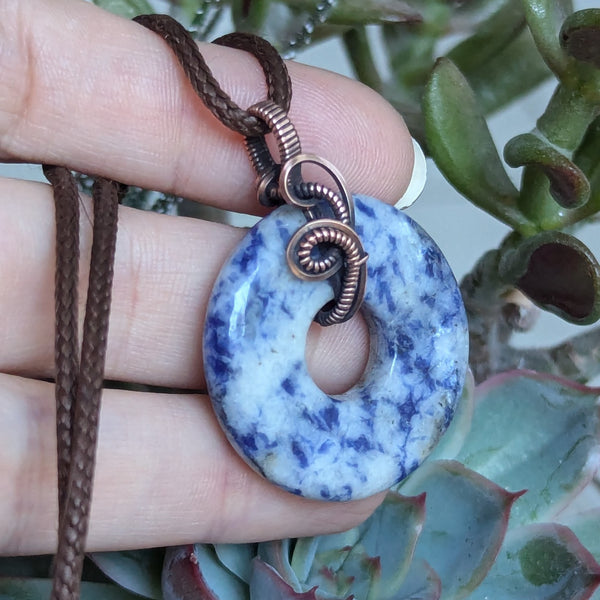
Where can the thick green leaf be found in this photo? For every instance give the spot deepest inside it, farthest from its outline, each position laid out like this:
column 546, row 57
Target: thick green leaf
column 545, row 18
column 277, row 554
column 467, row 516
column 250, row 16
column 13, row 588
column 368, row 556
column 511, row 73
column 192, row 572
column 126, row 8
column 538, row 433
column 568, row 184
column 404, row 517
column 237, row 558
column 421, row 583
column 363, row 12
column 490, row 37
column 541, row 562
column 454, row 437
column 586, row 157
column 319, row 561
column 580, row 36
column 138, row 571
column 586, row 526
column 557, row 272
column 459, row 141
column 266, row 583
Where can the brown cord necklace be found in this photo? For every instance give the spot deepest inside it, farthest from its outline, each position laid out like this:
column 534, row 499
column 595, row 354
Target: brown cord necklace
column 303, row 262
column 79, row 380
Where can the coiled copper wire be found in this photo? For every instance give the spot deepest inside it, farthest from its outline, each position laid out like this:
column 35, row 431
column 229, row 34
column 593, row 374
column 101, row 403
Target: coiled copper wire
column 324, row 247
column 349, row 253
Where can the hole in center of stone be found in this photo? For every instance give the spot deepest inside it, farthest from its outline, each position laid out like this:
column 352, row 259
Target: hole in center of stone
column 336, row 356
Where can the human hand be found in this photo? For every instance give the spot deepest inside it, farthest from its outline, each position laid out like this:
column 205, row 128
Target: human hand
column 103, row 95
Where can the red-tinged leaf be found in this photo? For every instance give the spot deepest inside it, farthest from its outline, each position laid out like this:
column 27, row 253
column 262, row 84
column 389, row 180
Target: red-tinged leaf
column 194, row 573
column 557, row 272
column 136, row 570
column 541, row 562
column 536, row 432
column 265, row 583
column 586, row 526
column 580, row 36
column 277, row 554
column 454, row 437
column 466, row 520
column 421, row 583
column 367, row 557
column 568, row 184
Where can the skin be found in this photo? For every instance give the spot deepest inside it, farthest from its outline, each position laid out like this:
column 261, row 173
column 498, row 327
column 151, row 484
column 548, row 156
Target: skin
column 103, row 95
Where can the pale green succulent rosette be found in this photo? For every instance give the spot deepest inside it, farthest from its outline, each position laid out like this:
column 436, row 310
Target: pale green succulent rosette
column 485, row 516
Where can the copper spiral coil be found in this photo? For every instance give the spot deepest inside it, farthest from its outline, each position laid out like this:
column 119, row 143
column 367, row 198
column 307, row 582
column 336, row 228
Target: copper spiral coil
column 342, row 257
column 318, row 192
column 300, row 257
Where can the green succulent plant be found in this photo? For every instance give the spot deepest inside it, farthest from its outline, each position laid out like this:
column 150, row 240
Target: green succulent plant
column 499, row 510
column 483, row 517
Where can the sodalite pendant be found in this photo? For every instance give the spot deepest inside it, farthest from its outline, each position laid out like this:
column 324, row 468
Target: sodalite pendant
column 361, row 442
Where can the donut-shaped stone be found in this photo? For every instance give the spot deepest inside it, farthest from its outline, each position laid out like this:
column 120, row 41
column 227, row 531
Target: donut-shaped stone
column 358, row 443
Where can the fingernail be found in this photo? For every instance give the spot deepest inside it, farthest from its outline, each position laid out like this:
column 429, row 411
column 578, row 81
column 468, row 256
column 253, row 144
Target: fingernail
column 417, row 179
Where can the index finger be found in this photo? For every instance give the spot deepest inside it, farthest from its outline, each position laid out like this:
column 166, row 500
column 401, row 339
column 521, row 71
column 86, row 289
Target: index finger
column 103, row 95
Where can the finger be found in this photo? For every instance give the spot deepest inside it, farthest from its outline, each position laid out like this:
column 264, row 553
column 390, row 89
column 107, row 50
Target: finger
column 103, row 95
column 190, row 487
column 164, row 271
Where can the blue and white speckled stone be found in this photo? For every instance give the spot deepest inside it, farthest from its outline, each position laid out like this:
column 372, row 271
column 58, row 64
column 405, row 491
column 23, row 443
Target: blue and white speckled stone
column 353, row 445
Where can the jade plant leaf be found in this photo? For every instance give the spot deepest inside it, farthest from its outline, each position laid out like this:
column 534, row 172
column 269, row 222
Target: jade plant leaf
column 135, row 570
column 545, row 18
column 14, row 588
column 460, row 142
column 541, row 562
column 266, row 583
column 467, row 516
column 568, row 184
column 362, row 12
column 534, row 432
column 512, row 71
column 490, row 37
column 557, row 272
column 580, row 36
column 194, row 571
column 586, row 156
column 126, row 8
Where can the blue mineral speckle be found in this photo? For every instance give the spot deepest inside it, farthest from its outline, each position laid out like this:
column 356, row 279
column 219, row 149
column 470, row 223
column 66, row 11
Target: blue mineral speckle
column 299, row 454
column 365, row 440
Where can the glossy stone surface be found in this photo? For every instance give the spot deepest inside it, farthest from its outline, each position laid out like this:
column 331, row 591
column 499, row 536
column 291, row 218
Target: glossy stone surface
column 365, row 440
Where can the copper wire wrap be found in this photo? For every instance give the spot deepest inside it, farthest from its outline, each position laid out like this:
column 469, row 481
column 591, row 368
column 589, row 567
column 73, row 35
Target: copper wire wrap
column 345, row 241
column 327, row 247
column 288, row 144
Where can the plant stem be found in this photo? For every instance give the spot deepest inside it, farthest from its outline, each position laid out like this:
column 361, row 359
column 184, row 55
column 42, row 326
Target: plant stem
column 564, row 125
column 567, row 118
column 358, row 48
